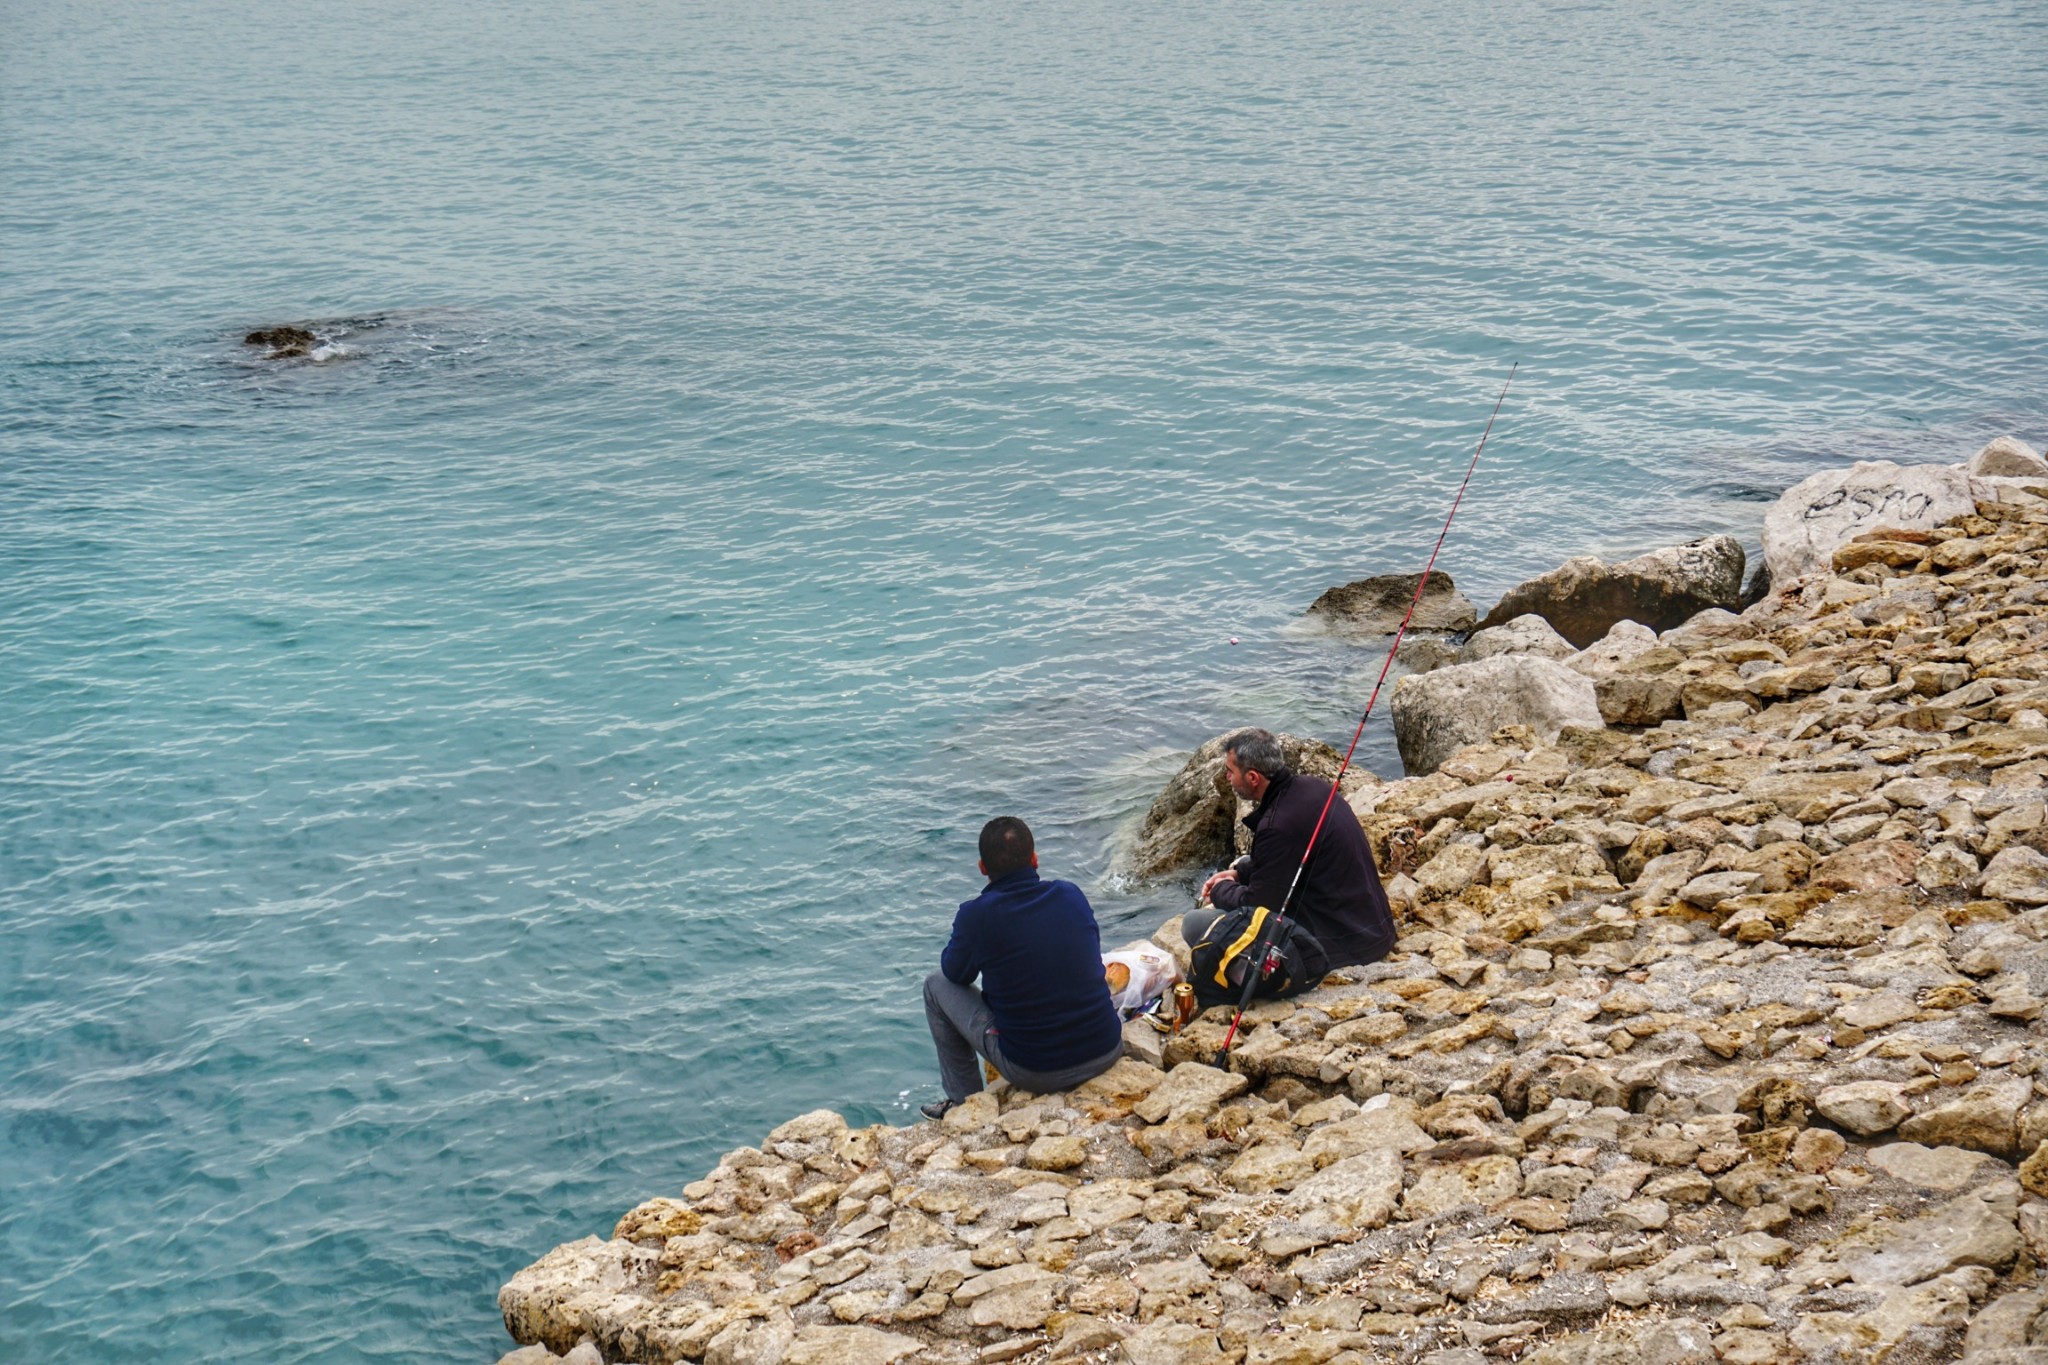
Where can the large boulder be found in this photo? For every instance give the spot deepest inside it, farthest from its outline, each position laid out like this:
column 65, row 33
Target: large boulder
column 1375, row 606
column 1436, row 714
column 1825, row 511
column 2007, row 458
column 1583, row 597
column 1194, row 821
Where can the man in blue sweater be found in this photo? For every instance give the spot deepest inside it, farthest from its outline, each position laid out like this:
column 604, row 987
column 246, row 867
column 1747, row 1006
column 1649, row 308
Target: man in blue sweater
column 1043, row 1016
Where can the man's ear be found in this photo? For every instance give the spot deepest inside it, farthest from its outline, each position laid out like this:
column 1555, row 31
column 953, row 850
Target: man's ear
column 1034, row 860
column 981, row 867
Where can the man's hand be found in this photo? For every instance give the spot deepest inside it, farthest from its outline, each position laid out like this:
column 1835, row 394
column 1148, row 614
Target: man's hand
column 1217, row 879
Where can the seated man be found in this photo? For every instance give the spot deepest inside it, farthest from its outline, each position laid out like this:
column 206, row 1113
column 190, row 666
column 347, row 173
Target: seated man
column 1339, row 899
column 1042, row 1017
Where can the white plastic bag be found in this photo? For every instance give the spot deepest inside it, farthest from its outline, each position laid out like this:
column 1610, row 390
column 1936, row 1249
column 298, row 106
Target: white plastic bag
column 1138, row 975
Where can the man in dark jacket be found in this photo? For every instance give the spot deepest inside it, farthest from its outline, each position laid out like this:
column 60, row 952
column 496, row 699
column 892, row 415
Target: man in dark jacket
column 1339, row 899
column 1043, row 1016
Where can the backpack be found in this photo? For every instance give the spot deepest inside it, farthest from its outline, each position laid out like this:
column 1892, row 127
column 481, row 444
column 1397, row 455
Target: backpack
column 1296, row 961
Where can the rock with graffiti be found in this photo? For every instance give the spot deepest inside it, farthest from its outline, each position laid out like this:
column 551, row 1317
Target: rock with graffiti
column 1820, row 514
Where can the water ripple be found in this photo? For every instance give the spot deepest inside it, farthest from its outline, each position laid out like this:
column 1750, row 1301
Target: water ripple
column 455, row 789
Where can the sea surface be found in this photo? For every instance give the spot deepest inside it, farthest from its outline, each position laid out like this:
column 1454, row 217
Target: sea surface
column 453, row 788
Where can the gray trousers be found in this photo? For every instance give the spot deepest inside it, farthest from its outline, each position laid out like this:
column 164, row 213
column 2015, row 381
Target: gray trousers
column 963, row 1030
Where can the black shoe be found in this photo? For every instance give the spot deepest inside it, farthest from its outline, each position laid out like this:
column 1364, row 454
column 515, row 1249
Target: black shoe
column 937, row 1109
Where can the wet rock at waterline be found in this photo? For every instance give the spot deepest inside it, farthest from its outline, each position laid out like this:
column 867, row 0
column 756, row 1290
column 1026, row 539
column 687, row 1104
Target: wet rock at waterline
column 1375, row 606
column 1584, row 597
column 1421, row 653
column 322, row 340
column 1193, row 823
column 283, row 343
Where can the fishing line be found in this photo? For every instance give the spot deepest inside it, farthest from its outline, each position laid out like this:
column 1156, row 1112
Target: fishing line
column 1257, row 963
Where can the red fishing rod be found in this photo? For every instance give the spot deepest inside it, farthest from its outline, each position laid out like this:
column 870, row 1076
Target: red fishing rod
column 1258, row 962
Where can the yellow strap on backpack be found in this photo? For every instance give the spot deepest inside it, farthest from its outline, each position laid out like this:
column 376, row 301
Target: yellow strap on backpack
column 1243, row 943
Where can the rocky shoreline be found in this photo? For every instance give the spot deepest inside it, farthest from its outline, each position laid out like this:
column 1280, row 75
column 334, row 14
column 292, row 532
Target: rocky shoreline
column 1714, row 1033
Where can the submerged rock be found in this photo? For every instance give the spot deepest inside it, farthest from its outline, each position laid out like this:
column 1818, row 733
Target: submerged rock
column 1583, row 598
column 284, row 342
column 1375, row 606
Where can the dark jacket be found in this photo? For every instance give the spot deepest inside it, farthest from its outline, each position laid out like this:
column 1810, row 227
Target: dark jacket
column 1339, row 899
column 1039, row 955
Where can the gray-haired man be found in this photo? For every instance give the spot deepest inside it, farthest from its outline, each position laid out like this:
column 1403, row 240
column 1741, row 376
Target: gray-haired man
column 1339, row 899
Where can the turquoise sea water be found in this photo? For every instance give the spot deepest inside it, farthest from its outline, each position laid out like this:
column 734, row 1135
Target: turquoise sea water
column 453, row 791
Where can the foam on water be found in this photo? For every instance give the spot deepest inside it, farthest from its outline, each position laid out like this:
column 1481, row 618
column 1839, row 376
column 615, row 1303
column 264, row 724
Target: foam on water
column 453, row 794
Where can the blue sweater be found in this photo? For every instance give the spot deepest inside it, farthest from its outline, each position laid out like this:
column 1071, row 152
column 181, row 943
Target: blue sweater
column 1039, row 955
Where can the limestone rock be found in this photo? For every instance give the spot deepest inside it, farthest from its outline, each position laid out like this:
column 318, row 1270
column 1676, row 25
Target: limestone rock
column 1268, row 1166
column 2034, row 1171
column 1529, row 634
column 551, row 1301
column 1190, row 1090
column 1421, row 653
column 1375, row 606
column 657, row 1220
column 817, row 1125
column 1450, row 871
column 1947, row 1169
column 1627, row 645
column 753, row 1342
column 1974, row 1229
column 850, row 1346
column 1630, row 699
column 1863, row 1107
column 1193, row 821
column 1055, row 1153
column 1436, row 714
column 1869, row 866
column 1878, row 1010
column 1811, row 798
column 1985, row 1119
column 1104, row 1203
column 1357, row 1192
column 1389, row 1129
column 1584, row 597
column 2006, row 1324
column 2009, row 458
column 1175, row 1343
column 1946, row 867
column 1487, row 1181
column 1925, row 1316
column 2017, row 874
column 1822, row 512
column 1573, row 1296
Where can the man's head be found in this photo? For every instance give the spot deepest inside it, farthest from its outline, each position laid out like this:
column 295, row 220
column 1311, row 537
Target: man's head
column 1252, row 761
column 1006, row 846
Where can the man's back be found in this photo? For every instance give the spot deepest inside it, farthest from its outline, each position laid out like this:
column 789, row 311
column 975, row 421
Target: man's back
column 1339, row 900
column 1035, row 945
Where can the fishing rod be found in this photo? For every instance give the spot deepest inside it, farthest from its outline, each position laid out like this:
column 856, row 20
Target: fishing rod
column 1259, row 961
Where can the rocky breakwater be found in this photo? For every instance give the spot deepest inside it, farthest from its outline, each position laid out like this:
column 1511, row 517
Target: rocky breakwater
column 1716, row 1038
